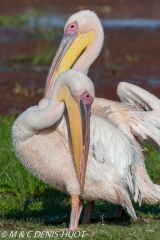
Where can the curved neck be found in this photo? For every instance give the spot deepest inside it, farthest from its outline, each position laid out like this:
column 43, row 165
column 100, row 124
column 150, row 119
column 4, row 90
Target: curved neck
column 92, row 51
column 45, row 115
column 37, row 118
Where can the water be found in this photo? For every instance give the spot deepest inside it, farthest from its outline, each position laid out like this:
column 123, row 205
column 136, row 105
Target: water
column 131, row 23
column 106, row 23
column 55, row 21
column 130, row 53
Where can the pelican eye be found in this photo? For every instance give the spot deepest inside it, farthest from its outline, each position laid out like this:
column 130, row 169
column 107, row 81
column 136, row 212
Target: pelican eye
column 86, row 97
column 72, row 28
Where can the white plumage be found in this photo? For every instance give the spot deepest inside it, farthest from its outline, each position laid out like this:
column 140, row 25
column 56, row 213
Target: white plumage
column 115, row 168
column 137, row 116
column 44, row 147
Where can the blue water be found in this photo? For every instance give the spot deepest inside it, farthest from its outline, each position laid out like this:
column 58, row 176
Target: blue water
column 48, row 22
column 132, row 23
column 107, row 23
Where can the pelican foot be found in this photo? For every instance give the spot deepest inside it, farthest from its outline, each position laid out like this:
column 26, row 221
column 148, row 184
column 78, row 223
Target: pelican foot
column 76, row 229
column 55, row 229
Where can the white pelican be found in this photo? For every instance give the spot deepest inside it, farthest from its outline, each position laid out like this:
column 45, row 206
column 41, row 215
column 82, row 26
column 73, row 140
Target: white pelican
column 42, row 147
column 41, row 140
column 137, row 115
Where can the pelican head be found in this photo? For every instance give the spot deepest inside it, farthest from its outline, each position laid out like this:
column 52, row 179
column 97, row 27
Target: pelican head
column 76, row 90
column 83, row 32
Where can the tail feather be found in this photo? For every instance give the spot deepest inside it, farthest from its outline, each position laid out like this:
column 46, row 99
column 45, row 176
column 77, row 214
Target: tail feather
column 125, row 201
column 147, row 191
column 157, row 187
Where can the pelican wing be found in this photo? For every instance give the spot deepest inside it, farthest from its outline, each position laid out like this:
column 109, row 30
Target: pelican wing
column 137, row 97
column 111, row 147
column 144, row 114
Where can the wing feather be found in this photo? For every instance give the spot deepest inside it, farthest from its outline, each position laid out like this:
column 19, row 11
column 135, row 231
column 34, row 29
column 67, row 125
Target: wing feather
column 111, row 147
column 137, row 97
column 144, row 114
column 138, row 114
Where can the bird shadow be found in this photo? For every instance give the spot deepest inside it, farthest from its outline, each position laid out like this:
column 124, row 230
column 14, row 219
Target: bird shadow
column 52, row 207
column 48, row 207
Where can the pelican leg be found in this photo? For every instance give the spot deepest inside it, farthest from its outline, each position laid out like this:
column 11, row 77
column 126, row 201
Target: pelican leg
column 120, row 212
column 80, row 208
column 74, row 217
column 87, row 212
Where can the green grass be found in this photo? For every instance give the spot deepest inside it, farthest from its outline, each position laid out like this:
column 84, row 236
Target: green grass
column 42, row 56
column 44, row 53
column 32, row 19
column 21, row 19
column 27, row 204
